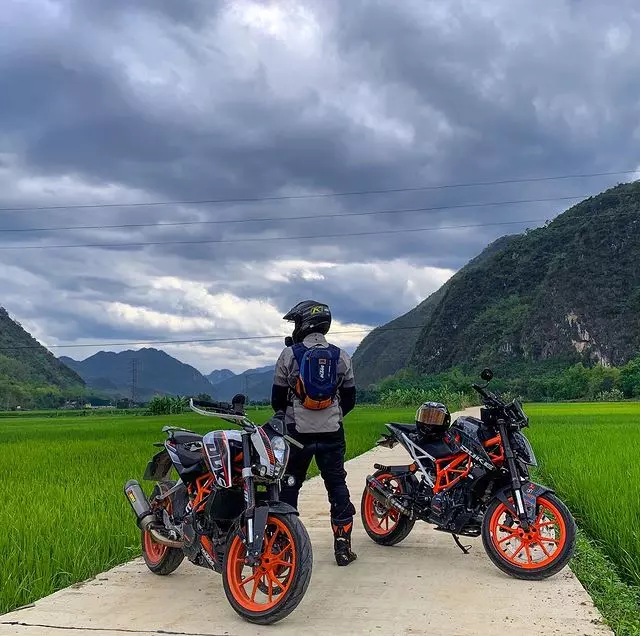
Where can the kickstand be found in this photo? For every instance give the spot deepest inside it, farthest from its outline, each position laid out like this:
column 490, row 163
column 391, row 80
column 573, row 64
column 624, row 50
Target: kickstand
column 464, row 548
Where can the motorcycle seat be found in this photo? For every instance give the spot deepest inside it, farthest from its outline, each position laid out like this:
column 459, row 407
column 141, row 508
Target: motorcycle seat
column 437, row 450
column 408, row 429
column 435, row 447
column 184, row 437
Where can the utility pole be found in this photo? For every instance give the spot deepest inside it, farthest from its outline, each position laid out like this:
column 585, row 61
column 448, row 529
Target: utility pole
column 134, row 379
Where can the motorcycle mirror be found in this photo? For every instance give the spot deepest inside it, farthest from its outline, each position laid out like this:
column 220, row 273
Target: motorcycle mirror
column 486, row 375
column 288, row 341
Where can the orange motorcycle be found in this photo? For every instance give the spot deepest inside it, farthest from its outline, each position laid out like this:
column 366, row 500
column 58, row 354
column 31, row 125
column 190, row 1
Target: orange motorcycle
column 224, row 512
column 471, row 478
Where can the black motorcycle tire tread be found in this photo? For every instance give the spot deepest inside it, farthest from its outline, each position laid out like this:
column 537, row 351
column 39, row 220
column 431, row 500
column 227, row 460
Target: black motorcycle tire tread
column 544, row 572
column 173, row 557
column 398, row 534
column 298, row 588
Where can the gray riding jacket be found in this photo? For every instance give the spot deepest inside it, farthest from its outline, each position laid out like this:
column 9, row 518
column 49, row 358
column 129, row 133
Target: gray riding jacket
column 286, row 375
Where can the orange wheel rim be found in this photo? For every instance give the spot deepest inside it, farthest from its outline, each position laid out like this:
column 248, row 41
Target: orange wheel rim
column 532, row 550
column 262, row 587
column 155, row 551
column 380, row 520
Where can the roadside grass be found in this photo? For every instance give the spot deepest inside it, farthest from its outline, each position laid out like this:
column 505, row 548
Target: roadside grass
column 618, row 602
column 590, row 454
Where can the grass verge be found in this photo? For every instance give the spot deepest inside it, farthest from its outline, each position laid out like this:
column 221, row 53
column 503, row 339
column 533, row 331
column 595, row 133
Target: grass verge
column 618, row 602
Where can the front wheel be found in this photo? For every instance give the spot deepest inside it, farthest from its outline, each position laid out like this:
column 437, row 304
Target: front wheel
column 268, row 592
column 542, row 551
column 384, row 526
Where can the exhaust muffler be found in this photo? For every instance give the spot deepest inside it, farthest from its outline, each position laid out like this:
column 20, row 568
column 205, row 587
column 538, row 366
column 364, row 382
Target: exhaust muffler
column 384, row 496
column 144, row 515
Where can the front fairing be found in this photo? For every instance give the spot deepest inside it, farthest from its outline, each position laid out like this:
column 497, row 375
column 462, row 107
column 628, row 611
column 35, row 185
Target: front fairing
column 217, row 448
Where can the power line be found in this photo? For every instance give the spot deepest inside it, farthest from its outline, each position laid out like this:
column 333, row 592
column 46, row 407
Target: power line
column 325, row 195
column 200, row 340
column 271, row 239
column 294, row 218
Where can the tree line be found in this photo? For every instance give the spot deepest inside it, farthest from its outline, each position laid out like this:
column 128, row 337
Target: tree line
column 547, row 381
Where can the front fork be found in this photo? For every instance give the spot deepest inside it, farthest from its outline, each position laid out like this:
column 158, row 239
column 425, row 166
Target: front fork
column 514, row 472
column 255, row 516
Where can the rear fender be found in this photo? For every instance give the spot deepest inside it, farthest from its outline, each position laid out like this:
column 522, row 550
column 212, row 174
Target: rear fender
column 159, row 467
column 530, row 493
column 387, row 440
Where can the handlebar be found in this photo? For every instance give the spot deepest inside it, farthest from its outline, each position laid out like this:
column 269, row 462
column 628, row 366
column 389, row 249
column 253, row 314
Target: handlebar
column 488, row 395
column 228, row 408
column 480, row 390
column 220, row 407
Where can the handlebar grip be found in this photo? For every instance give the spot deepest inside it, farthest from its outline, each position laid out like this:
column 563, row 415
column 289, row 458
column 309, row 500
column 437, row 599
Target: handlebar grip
column 218, row 406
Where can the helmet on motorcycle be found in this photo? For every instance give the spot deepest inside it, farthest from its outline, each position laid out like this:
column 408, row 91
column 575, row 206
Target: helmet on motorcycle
column 308, row 317
column 431, row 417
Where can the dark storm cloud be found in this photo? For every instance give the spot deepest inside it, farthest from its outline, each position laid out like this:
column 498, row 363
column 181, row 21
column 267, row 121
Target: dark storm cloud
column 122, row 102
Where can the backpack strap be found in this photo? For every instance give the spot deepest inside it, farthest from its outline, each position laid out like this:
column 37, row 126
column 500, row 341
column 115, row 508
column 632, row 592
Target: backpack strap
column 298, row 351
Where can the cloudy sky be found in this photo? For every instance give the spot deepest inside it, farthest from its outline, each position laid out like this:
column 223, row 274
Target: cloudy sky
column 119, row 102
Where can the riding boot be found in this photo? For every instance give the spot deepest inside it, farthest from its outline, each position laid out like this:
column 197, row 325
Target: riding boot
column 342, row 541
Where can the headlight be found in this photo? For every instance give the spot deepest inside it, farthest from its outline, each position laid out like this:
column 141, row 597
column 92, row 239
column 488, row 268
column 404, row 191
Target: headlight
column 279, row 447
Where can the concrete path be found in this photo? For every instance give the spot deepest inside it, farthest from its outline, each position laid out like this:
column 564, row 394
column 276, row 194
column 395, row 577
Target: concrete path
column 424, row 585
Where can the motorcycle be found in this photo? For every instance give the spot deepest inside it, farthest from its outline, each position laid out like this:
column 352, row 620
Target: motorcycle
column 223, row 512
column 471, row 478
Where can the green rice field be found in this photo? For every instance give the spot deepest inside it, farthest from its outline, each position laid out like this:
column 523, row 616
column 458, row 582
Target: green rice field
column 64, row 517
column 590, row 453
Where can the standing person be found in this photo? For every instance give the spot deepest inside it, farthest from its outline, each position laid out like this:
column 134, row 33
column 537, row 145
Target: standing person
column 314, row 385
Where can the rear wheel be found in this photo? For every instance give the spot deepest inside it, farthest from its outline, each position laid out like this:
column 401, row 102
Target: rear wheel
column 160, row 559
column 270, row 591
column 384, row 526
column 538, row 553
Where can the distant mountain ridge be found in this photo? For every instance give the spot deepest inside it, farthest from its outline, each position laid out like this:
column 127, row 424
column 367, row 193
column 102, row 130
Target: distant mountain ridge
column 219, row 375
column 568, row 291
column 254, row 383
column 156, row 373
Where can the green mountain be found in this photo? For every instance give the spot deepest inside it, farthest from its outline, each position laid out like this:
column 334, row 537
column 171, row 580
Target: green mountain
column 27, row 369
column 156, row 372
column 388, row 349
column 567, row 291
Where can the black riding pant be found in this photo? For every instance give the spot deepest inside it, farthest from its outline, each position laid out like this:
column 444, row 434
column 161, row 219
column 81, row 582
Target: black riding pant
column 328, row 450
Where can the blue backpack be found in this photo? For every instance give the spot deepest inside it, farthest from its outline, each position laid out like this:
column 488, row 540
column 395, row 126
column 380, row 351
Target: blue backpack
column 317, row 384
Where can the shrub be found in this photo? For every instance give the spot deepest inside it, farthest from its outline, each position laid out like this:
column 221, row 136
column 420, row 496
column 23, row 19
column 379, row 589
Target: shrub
column 614, row 395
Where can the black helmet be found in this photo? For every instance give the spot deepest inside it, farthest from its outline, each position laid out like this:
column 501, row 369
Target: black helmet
column 432, row 417
column 308, row 317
